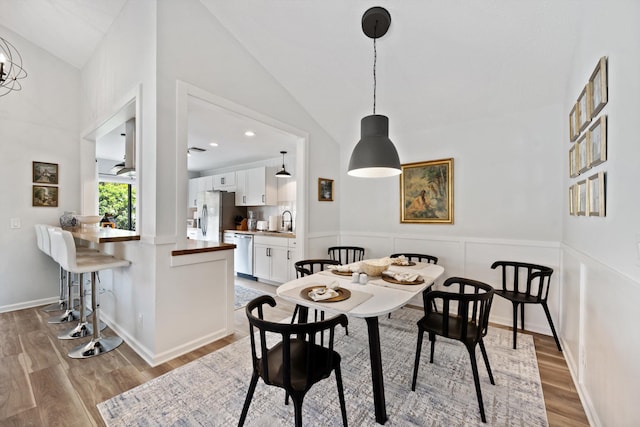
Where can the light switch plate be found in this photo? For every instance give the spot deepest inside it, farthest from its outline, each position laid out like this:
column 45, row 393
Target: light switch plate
column 15, row 222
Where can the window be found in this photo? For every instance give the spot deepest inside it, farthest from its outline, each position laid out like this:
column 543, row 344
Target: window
column 118, row 202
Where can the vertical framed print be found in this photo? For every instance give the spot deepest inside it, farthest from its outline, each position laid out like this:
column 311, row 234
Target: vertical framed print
column 582, row 154
column 573, row 161
column 572, row 200
column 596, row 194
column 597, row 136
column 584, row 108
column 581, row 197
column 325, row 190
column 573, row 123
column 598, row 87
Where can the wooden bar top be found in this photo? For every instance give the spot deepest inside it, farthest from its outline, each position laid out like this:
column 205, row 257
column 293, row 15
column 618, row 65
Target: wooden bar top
column 199, row 246
column 105, row 235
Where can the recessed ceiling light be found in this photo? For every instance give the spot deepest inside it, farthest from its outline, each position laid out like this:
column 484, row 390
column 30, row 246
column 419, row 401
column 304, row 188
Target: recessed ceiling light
column 249, row 133
column 213, row 144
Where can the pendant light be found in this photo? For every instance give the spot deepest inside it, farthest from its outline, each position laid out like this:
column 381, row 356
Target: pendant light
column 375, row 155
column 283, row 172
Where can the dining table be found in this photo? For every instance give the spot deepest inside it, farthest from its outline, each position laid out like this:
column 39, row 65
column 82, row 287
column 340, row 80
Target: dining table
column 379, row 296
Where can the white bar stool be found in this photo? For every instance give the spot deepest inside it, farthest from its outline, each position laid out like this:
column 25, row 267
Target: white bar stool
column 42, row 236
column 65, row 247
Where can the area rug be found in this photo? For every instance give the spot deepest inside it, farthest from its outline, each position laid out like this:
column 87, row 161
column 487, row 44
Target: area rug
column 243, row 295
column 210, row 391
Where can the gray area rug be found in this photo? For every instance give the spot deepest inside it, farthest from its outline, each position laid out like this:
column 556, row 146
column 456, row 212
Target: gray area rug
column 244, row 295
column 210, row 391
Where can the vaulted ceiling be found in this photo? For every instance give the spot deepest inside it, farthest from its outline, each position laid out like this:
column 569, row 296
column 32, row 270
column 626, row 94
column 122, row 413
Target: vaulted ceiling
column 441, row 62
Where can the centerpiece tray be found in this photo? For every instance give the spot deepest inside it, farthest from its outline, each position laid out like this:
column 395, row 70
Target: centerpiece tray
column 402, row 282
column 341, row 273
column 343, row 294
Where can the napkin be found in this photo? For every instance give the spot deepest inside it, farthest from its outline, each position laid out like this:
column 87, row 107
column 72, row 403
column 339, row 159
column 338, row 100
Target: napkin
column 401, row 260
column 319, row 294
column 402, row 277
column 353, row 267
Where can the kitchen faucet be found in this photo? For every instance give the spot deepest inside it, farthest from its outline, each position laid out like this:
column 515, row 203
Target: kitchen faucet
column 290, row 228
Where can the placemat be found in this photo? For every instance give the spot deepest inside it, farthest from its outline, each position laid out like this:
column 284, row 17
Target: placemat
column 357, row 298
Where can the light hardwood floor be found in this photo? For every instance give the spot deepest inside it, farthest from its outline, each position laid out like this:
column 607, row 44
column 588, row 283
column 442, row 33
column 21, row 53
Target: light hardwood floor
column 41, row 386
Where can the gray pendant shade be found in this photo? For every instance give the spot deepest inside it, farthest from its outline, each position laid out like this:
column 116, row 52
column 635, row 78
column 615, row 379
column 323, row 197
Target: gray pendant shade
column 374, row 155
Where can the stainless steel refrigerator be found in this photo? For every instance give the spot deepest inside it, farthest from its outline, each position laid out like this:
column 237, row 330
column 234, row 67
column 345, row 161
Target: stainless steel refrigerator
column 216, row 212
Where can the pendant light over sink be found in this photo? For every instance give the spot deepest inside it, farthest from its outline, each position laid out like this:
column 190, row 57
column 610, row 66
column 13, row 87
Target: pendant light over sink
column 283, row 172
column 375, row 155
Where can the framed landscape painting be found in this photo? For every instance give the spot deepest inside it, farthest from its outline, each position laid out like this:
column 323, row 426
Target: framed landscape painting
column 45, row 195
column 426, row 192
column 45, row 173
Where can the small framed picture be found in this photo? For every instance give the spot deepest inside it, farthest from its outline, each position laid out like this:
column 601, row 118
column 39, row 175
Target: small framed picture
column 598, row 86
column 572, row 200
column 573, row 161
column 325, row 190
column 573, row 123
column 45, row 173
column 584, row 108
column 596, row 193
column 582, row 154
column 597, row 137
column 45, row 195
column 581, row 197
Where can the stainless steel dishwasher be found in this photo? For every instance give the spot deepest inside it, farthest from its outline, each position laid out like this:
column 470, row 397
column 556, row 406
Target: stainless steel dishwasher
column 244, row 254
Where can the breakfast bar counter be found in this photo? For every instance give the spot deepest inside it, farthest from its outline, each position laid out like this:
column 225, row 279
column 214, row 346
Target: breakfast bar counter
column 105, row 235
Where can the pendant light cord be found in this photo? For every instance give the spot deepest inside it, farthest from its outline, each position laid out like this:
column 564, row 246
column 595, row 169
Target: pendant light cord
column 375, row 59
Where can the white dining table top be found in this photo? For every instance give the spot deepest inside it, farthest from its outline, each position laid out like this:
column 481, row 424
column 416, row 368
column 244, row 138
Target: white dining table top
column 385, row 297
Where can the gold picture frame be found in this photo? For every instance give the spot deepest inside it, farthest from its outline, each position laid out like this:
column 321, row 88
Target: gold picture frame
column 596, row 194
column 45, row 196
column 581, row 197
column 598, row 87
column 325, row 190
column 426, row 192
column 597, row 136
column 584, row 108
column 583, row 154
column 573, row 200
column 45, row 173
column 573, row 123
column 573, row 161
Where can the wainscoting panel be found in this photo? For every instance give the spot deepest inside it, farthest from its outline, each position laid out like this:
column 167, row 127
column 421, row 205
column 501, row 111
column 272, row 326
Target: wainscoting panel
column 318, row 243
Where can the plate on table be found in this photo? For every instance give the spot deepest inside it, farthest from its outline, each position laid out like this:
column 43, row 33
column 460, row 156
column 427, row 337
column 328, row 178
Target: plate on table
column 408, row 264
column 341, row 273
column 343, row 294
column 390, row 279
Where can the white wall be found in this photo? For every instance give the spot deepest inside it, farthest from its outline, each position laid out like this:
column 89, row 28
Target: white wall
column 600, row 257
column 39, row 123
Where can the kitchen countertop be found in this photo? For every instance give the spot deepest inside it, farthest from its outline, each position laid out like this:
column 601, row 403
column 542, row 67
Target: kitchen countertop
column 287, row 234
column 199, row 246
column 105, row 234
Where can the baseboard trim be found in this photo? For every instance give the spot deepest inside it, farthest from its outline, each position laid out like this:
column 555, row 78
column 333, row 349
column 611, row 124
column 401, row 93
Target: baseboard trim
column 28, row 304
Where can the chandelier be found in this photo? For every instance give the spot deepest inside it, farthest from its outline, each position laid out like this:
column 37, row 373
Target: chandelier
column 10, row 68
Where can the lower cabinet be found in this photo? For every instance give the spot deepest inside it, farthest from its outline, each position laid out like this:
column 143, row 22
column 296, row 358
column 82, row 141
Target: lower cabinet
column 272, row 258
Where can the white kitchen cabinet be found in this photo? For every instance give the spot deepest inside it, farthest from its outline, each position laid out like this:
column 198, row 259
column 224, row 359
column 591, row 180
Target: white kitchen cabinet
column 196, row 185
column 256, row 187
column 271, row 258
column 224, row 181
column 293, row 255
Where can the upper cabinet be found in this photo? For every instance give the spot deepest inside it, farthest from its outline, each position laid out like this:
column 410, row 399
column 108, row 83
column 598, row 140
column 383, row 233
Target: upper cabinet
column 196, row 185
column 256, row 187
column 225, row 181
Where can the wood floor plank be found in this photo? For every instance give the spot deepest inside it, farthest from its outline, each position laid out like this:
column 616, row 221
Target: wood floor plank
column 39, row 351
column 15, row 390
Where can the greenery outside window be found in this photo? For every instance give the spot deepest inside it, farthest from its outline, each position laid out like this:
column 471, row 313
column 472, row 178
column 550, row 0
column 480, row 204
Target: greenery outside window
column 118, row 202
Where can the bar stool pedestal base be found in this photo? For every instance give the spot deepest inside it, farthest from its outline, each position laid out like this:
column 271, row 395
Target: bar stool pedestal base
column 95, row 347
column 83, row 329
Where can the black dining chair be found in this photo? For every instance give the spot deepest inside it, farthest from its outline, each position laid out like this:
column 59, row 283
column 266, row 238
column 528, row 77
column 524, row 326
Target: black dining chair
column 417, row 257
column 307, row 267
column 524, row 283
column 346, row 254
column 296, row 362
column 429, row 259
column 468, row 324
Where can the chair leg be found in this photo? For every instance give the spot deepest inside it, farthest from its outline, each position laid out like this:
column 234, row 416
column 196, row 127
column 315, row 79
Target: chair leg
column 476, row 381
column 486, row 361
column 432, row 338
column 522, row 316
column 295, row 313
column 553, row 330
column 515, row 323
column 417, row 362
column 297, row 408
column 247, row 400
column 343, row 405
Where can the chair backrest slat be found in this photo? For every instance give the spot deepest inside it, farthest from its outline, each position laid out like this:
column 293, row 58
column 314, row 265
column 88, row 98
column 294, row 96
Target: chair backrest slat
column 537, row 278
column 346, row 254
